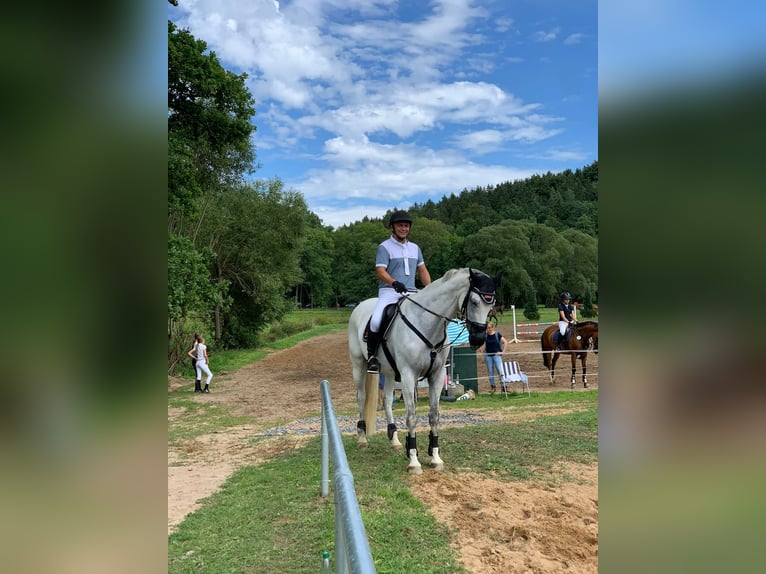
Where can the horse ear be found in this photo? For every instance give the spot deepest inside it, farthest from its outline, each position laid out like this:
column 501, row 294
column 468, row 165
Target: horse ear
column 497, row 279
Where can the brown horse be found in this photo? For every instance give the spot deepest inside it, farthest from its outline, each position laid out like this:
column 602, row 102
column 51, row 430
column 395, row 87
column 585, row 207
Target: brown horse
column 494, row 312
column 581, row 337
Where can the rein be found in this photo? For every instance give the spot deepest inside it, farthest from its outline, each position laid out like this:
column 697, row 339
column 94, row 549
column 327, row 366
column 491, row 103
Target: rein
column 434, row 349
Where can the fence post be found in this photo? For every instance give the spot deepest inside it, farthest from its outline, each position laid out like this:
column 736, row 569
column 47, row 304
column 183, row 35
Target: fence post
column 514, row 340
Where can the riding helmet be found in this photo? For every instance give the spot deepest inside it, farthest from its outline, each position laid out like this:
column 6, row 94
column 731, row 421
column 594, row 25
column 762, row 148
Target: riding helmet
column 400, row 217
column 566, row 295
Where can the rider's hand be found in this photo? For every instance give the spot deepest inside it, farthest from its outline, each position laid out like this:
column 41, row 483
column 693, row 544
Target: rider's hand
column 399, row 287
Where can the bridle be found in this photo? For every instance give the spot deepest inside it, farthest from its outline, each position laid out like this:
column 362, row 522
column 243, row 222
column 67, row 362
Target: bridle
column 473, row 326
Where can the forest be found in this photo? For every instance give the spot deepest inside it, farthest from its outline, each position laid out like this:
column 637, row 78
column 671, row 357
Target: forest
column 242, row 251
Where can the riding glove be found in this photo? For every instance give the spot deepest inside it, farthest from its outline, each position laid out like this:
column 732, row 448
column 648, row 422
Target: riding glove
column 399, row 287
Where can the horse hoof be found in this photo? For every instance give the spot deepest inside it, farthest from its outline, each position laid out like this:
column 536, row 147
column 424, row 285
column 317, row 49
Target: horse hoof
column 415, row 469
column 585, row 385
column 439, row 466
column 397, row 447
column 362, row 444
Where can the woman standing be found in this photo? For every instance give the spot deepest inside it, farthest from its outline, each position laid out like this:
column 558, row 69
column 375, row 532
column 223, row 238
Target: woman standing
column 202, row 364
column 494, row 346
column 193, row 354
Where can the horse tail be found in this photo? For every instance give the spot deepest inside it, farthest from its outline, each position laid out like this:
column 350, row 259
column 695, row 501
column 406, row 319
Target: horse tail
column 546, row 356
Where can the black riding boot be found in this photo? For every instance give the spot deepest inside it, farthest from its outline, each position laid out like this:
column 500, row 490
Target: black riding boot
column 206, row 389
column 373, row 339
column 562, row 341
column 198, row 386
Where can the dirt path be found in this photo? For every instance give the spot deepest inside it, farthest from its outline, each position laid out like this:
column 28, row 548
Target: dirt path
column 518, row 528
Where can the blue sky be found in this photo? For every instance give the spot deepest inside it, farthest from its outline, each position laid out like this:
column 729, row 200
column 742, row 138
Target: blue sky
column 367, row 105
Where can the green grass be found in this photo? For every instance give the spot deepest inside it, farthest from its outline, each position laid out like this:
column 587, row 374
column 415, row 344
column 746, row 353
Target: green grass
column 199, row 419
column 271, row 518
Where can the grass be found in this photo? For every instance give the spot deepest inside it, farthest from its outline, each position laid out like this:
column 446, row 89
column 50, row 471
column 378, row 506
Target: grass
column 271, row 518
column 198, row 419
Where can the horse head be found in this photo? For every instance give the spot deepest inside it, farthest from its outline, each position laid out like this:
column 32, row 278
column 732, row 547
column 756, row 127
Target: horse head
column 478, row 302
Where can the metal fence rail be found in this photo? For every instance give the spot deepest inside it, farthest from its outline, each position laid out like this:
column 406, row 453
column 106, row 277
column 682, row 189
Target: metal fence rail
column 352, row 550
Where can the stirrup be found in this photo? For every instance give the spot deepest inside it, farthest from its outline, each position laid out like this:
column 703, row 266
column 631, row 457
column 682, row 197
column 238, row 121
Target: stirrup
column 373, row 365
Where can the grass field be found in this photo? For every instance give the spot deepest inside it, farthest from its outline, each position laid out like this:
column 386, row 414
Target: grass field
column 270, row 518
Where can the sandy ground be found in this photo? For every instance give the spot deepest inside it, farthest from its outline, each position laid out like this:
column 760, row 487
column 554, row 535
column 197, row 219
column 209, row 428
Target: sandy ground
column 496, row 526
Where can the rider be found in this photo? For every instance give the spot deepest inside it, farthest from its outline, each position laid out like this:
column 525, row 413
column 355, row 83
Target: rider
column 396, row 260
column 567, row 316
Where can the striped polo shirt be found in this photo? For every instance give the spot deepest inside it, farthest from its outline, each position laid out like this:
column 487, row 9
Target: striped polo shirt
column 400, row 260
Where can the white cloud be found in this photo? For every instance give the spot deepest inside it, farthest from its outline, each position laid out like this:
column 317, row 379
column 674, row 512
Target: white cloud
column 574, row 39
column 337, row 217
column 549, row 36
column 384, row 111
column 396, row 173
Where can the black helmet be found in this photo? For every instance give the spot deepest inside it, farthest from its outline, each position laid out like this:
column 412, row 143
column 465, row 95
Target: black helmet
column 400, row 217
column 566, row 295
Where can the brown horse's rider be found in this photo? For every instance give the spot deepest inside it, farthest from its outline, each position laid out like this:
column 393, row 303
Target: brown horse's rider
column 567, row 317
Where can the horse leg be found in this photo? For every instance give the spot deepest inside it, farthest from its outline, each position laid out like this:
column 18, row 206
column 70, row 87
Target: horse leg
column 411, row 448
column 584, row 373
column 361, row 426
column 572, row 382
column 554, row 360
column 434, row 390
column 391, row 427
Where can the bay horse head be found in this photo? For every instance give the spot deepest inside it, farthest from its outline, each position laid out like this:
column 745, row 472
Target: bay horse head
column 478, row 302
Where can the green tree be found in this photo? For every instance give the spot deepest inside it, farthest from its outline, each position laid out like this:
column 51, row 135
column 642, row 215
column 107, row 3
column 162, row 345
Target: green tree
column 580, row 271
column 191, row 293
column 586, row 309
column 256, row 232
column 355, row 247
column 209, row 129
column 440, row 246
column 317, row 262
column 531, row 311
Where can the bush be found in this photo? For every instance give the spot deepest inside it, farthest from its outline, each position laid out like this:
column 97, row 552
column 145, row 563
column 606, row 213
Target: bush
column 531, row 311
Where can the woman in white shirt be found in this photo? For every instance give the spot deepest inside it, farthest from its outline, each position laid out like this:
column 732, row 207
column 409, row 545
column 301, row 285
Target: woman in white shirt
column 202, row 364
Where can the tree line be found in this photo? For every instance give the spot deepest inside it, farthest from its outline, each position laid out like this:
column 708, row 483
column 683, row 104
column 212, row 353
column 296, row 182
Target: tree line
column 242, row 251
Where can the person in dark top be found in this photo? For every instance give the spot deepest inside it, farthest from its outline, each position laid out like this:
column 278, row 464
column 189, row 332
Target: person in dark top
column 494, row 346
column 567, row 317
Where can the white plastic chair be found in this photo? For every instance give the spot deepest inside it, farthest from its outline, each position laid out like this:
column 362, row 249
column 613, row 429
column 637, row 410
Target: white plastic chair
column 512, row 373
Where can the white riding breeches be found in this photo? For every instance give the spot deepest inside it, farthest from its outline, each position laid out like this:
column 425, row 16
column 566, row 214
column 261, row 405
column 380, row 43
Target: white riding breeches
column 386, row 296
column 563, row 327
column 202, row 367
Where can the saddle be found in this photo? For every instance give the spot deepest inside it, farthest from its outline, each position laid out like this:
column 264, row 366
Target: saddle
column 388, row 316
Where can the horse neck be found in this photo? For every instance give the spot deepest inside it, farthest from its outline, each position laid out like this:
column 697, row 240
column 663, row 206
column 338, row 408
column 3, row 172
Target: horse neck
column 441, row 297
column 587, row 329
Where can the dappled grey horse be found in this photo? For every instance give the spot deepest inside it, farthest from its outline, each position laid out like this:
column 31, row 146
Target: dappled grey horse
column 415, row 346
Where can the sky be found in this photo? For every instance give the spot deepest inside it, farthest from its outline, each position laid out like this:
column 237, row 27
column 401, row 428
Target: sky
column 364, row 106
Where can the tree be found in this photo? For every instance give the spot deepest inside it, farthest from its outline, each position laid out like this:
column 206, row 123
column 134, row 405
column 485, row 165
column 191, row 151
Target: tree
column 355, row 247
column 586, row 309
column 256, row 232
column 531, row 311
column 440, row 246
column 209, row 129
column 316, row 263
